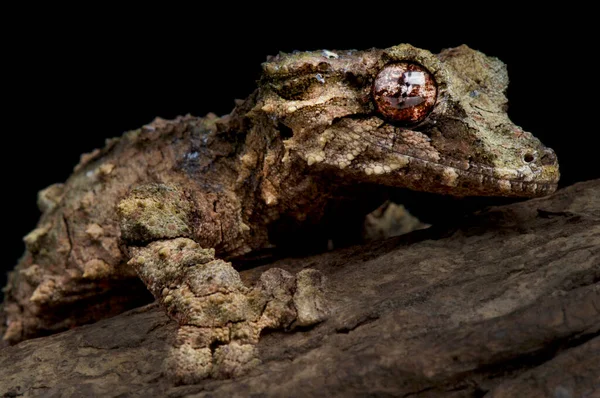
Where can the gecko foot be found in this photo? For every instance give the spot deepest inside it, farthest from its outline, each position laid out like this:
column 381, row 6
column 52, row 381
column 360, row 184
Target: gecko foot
column 220, row 318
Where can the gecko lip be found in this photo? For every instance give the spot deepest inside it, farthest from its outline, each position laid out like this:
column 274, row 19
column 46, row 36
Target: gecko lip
column 455, row 178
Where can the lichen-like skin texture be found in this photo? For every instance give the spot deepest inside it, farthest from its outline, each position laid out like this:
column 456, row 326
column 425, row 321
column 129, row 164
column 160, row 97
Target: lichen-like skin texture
column 221, row 319
column 174, row 200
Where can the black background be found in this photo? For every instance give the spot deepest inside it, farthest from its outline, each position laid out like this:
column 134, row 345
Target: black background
column 73, row 80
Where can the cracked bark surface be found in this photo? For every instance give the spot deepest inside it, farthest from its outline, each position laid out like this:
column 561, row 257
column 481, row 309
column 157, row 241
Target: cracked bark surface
column 507, row 304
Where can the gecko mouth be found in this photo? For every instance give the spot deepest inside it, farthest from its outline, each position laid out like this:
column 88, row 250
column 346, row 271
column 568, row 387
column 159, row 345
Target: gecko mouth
column 538, row 175
column 448, row 178
column 463, row 177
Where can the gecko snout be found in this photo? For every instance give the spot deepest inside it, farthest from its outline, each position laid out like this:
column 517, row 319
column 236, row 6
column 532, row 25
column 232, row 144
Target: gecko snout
column 544, row 164
column 548, row 157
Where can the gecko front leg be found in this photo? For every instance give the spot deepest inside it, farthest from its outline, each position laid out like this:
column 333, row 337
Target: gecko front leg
column 220, row 319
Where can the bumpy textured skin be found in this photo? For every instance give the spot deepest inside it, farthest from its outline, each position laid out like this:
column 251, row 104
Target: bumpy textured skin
column 157, row 201
column 221, row 319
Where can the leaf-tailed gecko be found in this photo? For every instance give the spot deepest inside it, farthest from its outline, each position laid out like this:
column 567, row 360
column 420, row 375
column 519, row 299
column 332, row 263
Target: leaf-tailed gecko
column 173, row 201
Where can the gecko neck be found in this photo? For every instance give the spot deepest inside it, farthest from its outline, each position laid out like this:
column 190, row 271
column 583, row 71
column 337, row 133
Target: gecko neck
column 305, row 204
column 284, row 198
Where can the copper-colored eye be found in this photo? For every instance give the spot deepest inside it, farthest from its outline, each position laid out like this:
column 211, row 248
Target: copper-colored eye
column 404, row 92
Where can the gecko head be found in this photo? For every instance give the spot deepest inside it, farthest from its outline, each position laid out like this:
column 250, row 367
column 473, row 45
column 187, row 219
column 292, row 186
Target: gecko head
column 405, row 117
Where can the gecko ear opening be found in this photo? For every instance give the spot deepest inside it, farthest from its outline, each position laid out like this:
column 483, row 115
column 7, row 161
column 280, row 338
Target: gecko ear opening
column 285, row 131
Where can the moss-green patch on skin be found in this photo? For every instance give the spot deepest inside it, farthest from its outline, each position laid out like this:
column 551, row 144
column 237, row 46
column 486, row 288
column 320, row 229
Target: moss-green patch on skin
column 154, row 211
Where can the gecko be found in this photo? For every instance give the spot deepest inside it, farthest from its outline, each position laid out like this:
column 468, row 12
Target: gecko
column 173, row 203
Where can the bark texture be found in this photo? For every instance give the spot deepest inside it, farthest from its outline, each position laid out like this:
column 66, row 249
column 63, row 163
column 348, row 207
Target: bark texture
column 506, row 305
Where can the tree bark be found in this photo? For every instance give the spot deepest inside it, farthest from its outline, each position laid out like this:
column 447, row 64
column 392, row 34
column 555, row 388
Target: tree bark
column 506, row 305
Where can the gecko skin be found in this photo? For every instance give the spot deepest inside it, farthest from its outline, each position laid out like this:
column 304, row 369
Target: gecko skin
column 170, row 203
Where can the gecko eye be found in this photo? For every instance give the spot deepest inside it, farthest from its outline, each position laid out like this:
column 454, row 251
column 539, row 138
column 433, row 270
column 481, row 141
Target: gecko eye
column 404, row 92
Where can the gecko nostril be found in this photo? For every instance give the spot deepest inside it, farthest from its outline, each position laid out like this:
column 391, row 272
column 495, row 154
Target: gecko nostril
column 528, row 157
